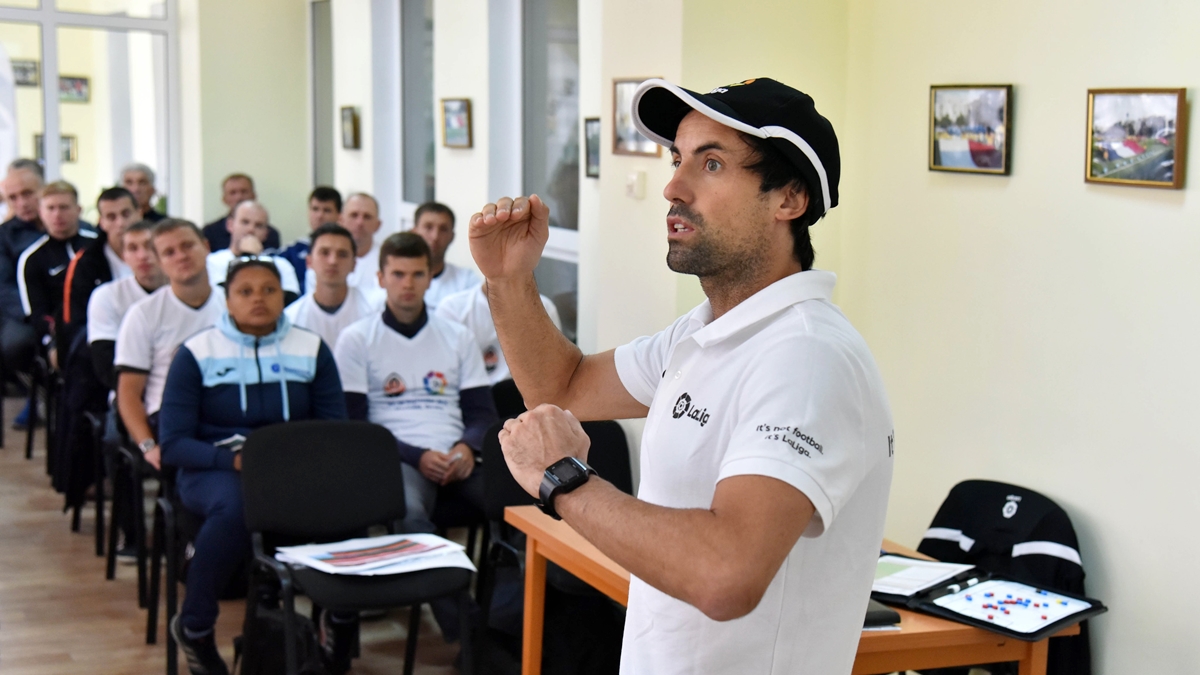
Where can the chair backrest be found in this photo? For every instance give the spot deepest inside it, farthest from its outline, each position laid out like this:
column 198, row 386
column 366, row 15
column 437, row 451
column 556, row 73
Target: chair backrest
column 609, row 456
column 509, row 402
column 321, row 480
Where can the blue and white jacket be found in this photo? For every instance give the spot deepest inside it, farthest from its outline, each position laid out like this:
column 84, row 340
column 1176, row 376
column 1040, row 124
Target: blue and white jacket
column 224, row 382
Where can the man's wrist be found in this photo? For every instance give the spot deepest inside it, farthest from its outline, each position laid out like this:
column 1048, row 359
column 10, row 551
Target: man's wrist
column 572, row 503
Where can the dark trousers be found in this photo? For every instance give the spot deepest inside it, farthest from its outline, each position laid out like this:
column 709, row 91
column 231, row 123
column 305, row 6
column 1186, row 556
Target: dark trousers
column 222, row 546
column 18, row 345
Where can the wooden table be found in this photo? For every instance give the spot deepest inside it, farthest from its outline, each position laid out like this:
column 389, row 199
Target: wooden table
column 922, row 641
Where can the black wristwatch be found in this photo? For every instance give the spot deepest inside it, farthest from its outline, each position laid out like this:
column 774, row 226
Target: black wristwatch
column 563, row 476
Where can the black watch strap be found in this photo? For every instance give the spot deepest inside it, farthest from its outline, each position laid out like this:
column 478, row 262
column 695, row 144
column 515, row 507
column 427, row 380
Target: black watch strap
column 561, row 477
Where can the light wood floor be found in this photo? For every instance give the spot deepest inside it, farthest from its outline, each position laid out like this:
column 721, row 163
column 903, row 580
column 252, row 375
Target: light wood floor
column 58, row 615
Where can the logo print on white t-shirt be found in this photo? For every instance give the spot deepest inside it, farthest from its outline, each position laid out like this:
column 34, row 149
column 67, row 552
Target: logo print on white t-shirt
column 435, row 383
column 393, row 385
column 490, row 358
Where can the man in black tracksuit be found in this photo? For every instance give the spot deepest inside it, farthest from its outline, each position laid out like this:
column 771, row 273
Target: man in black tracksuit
column 42, row 268
column 22, row 187
column 99, row 262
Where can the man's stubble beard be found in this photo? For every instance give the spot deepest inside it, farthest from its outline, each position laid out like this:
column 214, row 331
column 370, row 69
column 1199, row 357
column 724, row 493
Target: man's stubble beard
column 723, row 263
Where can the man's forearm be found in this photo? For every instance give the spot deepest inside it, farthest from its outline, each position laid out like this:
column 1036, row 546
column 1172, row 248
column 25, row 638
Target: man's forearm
column 684, row 553
column 541, row 359
column 133, row 414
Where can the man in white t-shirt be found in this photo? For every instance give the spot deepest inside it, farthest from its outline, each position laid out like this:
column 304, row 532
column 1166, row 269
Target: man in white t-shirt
column 331, row 304
column 421, row 377
column 470, row 308
column 766, row 458
column 155, row 327
column 360, row 215
column 248, row 228
column 435, row 223
column 111, row 301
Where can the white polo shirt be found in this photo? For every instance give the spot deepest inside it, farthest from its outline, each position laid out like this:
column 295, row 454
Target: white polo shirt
column 453, row 279
column 470, row 308
column 108, row 305
column 412, row 384
column 153, row 330
column 218, row 267
column 306, row 313
column 781, row 386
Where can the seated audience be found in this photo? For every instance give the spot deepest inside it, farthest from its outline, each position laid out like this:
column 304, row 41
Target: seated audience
column 248, row 230
column 421, row 377
column 470, row 308
column 22, row 189
column 139, row 180
column 41, row 269
column 324, row 206
column 100, row 262
column 225, row 381
column 360, row 215
column 111, row 301
column 235, row 189
column 435, row 223
column 155, row 327
column 331, row 304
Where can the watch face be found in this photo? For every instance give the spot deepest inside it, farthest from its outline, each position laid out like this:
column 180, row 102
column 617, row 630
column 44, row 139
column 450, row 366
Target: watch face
column 567, row 471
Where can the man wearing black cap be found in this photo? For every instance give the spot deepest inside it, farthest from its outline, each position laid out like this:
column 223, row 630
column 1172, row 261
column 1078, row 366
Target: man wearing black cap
column 767, row 453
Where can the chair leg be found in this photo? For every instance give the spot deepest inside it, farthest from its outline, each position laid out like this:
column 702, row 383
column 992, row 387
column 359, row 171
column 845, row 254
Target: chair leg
column 172, row 586
column 471, row 530
column 484, row 544
column 100, row 471
column 76, row 517
column 139, row 531
column 288, row 596
column 467, row 631
column 50, row 416
column 156, row 555
column 32, row 418
column 410, row 647
column 115, row 517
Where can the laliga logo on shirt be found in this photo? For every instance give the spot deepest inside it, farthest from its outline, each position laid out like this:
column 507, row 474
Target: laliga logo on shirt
column 435, row 383
column 490, row 359
column 684, row 406
column 393, row 385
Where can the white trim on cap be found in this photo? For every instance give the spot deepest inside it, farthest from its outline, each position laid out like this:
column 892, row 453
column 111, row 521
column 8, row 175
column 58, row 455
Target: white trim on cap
column 1047, row 548
column 946, row 534
column 770, row 131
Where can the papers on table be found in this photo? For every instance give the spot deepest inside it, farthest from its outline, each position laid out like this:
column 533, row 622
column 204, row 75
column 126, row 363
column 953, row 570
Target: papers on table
column 373, row 556
column 896, row 575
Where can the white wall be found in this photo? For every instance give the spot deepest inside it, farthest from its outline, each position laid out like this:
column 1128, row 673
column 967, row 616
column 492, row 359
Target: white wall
column 1034, row 329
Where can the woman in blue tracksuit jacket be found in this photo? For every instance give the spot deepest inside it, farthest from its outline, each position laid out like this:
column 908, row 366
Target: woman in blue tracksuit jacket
column 250, row 370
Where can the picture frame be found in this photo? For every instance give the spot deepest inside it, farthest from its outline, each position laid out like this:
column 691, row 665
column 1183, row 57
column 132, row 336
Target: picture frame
column 68, row 148
column 351, row 132
column 74, row 89
column 970, row 128
column 27, row 72
column 456, row 123
column 591, row 136
column 627, row 140
column 1137, row 137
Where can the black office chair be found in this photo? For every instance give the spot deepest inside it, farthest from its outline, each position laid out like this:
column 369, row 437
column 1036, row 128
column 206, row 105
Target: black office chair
column 323, row 481
column 95, row 430
column 129, row 471
column 174, row 527
column 508, row 400
column 1015, row 531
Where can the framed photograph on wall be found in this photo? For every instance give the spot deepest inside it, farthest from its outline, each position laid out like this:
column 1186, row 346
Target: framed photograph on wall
column 351, row 140
column 68, row 148
column 591, row 135
column 26, row 72
column 627, row 140
column 970, row 128
column 74, row 89
column 1137, row 137
column 456, row 122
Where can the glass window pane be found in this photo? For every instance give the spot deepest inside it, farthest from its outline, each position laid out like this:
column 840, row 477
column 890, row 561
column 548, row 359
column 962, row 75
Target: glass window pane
column 551, row 91
column 23, row 4
column 112, row 109
column 559, row 281
column 417, row 80
column 21, row 115
column 142, row 9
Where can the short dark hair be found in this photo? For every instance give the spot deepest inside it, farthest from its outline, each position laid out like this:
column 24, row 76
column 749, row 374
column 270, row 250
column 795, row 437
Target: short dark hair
column 168, row 225
column 142, row 226
column 31, row 165
column 775, row 171
column 433, row 207
column 332, row 229
column 113, row 194
column 247, row 262
column 404, row 245
column 324, row 193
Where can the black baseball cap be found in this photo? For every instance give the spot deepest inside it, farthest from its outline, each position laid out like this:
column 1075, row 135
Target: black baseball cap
column 761, row 107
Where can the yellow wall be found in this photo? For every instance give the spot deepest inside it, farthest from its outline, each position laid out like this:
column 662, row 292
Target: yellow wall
column 254, row 107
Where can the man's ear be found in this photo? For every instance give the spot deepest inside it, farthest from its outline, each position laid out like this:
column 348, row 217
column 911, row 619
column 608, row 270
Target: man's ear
column 794, row 205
